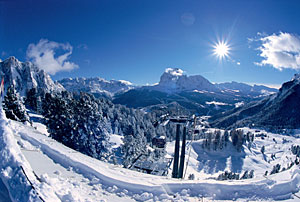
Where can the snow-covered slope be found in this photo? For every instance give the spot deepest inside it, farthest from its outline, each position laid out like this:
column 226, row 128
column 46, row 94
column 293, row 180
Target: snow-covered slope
column 255, row 90
column 68, row 175
column 277, row 111
column 25, row 75
column 97, row 86
column 206, row 163
column 16, row 172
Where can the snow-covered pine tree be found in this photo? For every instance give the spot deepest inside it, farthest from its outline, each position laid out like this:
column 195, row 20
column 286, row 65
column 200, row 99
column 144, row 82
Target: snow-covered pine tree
column 237, row 137
column 58, row 114
column 13, row 106
column 134, row 146
column 85, row 123
column 93, row 128
column 226, row 137
column 31, row 99
column 217, row 139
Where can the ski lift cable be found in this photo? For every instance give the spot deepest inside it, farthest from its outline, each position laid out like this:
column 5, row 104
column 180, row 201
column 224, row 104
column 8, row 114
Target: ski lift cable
column 190, row 145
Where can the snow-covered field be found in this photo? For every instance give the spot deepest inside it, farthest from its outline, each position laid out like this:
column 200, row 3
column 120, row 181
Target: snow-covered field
column 205, row 163
column 64, row 174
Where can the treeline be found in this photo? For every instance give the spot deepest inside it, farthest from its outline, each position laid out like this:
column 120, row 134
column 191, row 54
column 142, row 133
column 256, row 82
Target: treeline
column 84, row 123
column 218, row 140
column 236, row 176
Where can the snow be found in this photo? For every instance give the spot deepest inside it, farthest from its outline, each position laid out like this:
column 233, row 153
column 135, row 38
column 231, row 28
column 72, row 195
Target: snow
column 68, row 175
column 243, row 88
column 239, row 104
column 116, row 140
column 37, row 122
column 126, row 82
column 25, row 76
column 215, row 103
column 206, row 164
column 174, row 71
column 12, row 175
column 200, row 91
column 174, row 80
column 265, row 92
column 96, row 85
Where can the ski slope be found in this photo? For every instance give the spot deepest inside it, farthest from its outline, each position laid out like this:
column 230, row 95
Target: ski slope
column 204, row 163
column 63, row 174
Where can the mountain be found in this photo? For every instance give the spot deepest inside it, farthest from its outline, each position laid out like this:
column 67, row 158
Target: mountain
column 242, row 88
column 25, row 76
column 194, row 94
column 277, row 111
column 96, row 86
column 174, row 80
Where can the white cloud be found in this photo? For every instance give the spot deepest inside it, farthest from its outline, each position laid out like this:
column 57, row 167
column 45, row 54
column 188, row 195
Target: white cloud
column 282, row 51
column 238, row 63
column 44, row 55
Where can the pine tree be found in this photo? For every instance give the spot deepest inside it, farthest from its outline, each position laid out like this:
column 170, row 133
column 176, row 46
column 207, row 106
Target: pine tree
column 226, row 137
column 237, row 137
column 31, row 99
column 217, row 139
column 85, row 123
column 134, row 145
column 13, row 106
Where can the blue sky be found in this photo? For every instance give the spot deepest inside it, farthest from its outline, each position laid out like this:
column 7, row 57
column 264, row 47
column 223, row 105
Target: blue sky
column 137, row 40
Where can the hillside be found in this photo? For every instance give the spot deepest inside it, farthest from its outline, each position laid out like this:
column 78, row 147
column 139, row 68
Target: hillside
column 277, row 111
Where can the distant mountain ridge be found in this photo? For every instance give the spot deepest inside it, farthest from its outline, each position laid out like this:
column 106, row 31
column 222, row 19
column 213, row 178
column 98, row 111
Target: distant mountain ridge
column 25, row 76
column 173, row 80
column 246, row 88
column 280, row 110
column 192, row 93
column 97, row 86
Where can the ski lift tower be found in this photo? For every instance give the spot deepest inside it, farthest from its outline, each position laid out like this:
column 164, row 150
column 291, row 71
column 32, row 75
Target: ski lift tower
column 181, row 120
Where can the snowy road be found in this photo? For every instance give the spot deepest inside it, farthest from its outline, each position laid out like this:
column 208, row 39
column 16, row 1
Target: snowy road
column 69, row 184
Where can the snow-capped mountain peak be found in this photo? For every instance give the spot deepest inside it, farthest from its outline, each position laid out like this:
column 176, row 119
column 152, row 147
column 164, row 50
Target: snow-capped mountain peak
column 97, row 86
column 12, row 61
column 174, row 71
column 174, row 80
column 25, row 75
column 128, row 83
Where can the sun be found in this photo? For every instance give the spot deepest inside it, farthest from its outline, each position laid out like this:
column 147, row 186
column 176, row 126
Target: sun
column 221, row 50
